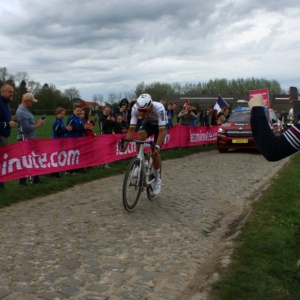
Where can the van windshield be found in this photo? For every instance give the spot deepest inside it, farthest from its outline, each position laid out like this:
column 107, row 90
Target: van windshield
column 241, row 116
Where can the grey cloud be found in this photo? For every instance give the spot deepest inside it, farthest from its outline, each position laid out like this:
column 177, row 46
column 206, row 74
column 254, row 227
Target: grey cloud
column 112, row 43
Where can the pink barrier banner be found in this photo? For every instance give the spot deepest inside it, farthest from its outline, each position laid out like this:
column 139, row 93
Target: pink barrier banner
column 44, row 156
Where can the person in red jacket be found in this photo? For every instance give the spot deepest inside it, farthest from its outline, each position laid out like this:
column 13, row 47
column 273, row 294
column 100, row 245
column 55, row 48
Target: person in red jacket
column 86, row 118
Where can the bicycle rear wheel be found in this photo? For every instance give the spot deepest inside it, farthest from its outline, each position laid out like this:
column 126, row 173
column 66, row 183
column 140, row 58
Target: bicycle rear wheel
column 132, row 185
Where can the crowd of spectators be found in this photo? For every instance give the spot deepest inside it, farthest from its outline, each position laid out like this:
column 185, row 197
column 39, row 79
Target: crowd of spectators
column 110, row 121
column 189, row 115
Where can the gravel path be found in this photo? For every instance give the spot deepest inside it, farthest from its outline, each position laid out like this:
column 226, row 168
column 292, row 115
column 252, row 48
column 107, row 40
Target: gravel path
column 82, row 244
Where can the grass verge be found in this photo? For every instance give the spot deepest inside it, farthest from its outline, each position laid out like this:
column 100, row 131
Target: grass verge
column 266, row 261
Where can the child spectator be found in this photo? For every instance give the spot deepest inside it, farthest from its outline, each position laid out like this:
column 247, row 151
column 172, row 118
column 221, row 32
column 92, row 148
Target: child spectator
column 58, row 128
column 121, row 126
column 170, row 116
column 77, row 123
column 87, row 113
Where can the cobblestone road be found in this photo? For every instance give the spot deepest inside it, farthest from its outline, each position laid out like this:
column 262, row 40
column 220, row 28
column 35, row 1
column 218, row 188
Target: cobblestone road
column 82, row 244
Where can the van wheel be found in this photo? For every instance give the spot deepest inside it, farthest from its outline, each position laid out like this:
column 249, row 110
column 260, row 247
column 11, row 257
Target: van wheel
column 221, row 150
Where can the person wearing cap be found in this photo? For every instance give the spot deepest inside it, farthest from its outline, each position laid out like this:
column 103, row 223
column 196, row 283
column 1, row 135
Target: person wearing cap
column 27, row 125
column 6, row 96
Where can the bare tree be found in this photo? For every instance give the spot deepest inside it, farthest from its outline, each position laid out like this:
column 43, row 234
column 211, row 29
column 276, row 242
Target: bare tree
column 21, row 76
column 72, row 93
column 34, row 87
column 4, row 75
column 98, row 98
column 130, row 95
column 111, row 98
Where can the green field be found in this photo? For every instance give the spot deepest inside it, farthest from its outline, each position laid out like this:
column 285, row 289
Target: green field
column 43, row 131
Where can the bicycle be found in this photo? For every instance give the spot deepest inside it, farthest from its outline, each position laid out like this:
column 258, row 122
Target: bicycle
column 139, row 175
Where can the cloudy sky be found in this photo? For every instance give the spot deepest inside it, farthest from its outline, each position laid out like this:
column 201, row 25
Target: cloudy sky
column 110, row 46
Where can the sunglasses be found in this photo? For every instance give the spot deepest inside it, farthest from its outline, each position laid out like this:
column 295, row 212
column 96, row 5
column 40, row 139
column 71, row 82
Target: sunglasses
column 143, row 110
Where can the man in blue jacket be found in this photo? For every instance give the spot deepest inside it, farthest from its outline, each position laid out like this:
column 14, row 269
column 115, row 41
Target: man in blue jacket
column 7, row 94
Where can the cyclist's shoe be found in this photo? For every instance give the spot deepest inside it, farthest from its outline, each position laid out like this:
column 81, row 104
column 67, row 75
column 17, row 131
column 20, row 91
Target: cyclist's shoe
column 157, row 187
column 135, row 172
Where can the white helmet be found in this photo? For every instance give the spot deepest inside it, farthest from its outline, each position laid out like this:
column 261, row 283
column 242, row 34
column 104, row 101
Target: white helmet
column 144, row 101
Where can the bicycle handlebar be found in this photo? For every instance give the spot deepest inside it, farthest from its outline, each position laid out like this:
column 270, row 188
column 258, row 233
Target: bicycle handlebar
column 139, row 142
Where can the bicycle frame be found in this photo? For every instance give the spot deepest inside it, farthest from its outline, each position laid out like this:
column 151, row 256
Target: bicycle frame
column 137, row 178
column 141, row 157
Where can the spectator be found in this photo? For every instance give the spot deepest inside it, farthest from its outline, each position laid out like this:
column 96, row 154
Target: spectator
column 82, row 114
column 163, row 102
column 27, row 125
column 205, row 120
column 139, row 122
column 272, row 147
column 201, row 114
column 123, row 109
column 103, row 117
column 76, row 121
column 214, row 117
column 170, row 116
column 106, row 123
column 186, row 115
column 121, row 126
column 130, row 105
column 59, row 130
column 195, row 115
column 176, row 112
column 227, row 112
column 7, row 94
column 86, row 120
column 221, row 116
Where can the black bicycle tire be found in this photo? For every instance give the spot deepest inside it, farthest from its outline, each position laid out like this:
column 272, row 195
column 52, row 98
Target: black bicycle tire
column 127, row 206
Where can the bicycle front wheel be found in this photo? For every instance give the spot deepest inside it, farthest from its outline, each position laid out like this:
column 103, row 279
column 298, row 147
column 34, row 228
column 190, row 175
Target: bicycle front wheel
column 132, row 185
column 151, row 179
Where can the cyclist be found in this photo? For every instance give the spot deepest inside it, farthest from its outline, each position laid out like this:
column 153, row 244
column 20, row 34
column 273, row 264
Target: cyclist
column 154, row 122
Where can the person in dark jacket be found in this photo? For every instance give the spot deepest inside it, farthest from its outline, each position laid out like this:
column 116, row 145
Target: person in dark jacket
column 106, row 120
column 272, row 147
column 123, row 109
column 6, row 123
column 121, row 126
column 77, row 123
column 59, row 129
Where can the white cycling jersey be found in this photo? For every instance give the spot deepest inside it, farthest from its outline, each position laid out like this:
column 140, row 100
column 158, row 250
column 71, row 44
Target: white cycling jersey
column 157, row 115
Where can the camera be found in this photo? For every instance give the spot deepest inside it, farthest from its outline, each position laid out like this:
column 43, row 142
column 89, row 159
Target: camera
column 43, row 117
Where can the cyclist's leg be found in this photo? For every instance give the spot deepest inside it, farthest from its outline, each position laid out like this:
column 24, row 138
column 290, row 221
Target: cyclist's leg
column 155, row 155
column 142, row 134
column 156, row 164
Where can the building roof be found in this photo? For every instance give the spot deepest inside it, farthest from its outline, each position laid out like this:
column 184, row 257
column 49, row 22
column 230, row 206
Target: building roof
column 89, row 104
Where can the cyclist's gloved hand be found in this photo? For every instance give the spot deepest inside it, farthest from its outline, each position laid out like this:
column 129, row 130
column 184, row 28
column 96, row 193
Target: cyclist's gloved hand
column 123, row 146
